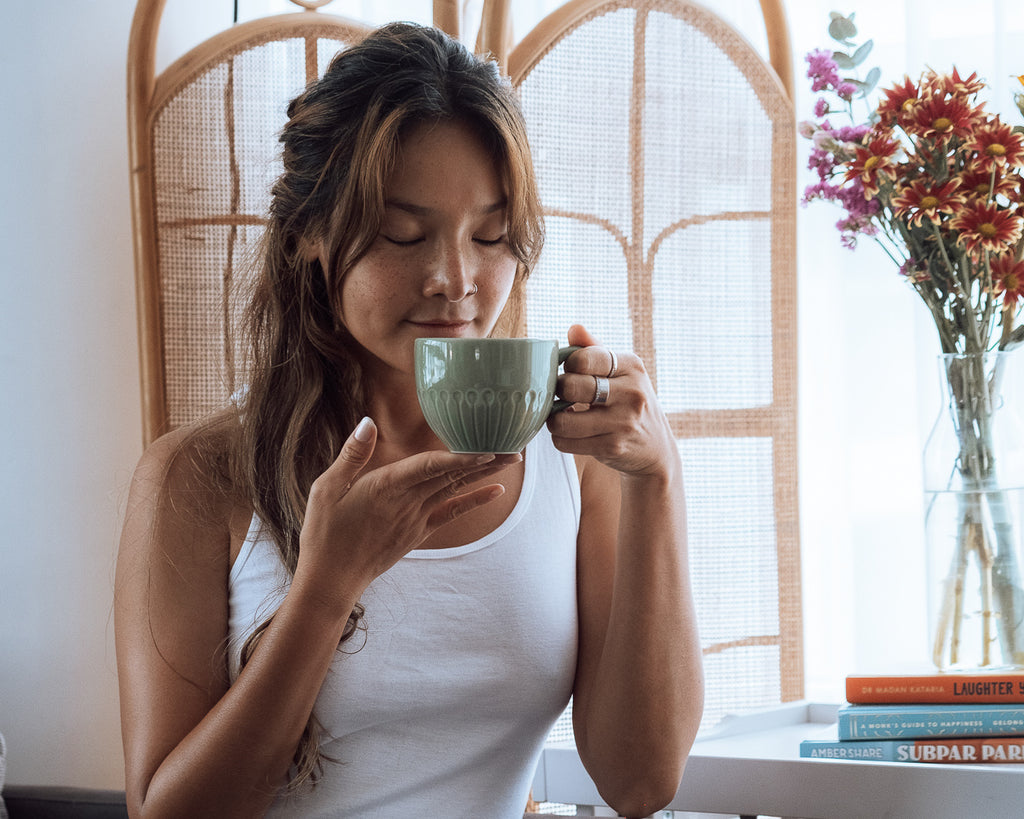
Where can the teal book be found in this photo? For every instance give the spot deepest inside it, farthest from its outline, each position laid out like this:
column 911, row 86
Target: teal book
column 967, row 750
column 915, row 721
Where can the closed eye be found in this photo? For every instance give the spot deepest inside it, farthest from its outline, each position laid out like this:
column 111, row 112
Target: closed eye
column 402, row 242
column 489, row 242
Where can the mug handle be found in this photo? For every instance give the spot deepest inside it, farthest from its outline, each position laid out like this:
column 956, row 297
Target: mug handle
column 560, row 404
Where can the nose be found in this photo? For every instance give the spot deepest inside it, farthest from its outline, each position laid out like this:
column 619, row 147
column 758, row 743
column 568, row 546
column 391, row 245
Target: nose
column 451, row 276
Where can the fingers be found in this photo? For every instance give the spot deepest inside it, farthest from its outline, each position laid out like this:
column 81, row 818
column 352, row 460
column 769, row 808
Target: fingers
column 360, row 444
column 444, row 479
column 444, row 488
column 461, row 504
column 579, row 336
column 595, row 359
column 355, row 454
column 626, row 429
column 586, row 390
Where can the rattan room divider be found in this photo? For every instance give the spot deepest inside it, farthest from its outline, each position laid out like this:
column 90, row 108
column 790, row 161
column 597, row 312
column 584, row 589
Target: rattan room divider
column 665, row 149
column 665, row 153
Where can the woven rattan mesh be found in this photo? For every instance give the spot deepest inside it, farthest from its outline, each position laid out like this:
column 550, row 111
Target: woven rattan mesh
column 664, row 153
column 216, row 154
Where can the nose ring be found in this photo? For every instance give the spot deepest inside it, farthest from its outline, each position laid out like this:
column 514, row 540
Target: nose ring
column 473, row 292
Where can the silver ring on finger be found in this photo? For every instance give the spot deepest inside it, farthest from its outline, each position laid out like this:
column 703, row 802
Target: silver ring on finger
column 615, row 365
column 601, row 389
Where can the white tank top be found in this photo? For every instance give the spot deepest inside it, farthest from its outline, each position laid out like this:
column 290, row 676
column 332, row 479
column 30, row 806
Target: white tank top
column 442, row 705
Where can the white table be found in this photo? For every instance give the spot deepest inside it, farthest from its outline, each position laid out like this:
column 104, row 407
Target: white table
column 750, row 765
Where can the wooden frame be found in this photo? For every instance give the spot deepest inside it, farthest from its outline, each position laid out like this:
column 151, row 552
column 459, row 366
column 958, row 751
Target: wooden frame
column 496, row 24
column 147, row 95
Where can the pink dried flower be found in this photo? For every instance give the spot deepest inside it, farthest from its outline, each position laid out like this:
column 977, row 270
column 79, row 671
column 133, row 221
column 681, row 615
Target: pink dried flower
column 822, row 70
column 846, row 90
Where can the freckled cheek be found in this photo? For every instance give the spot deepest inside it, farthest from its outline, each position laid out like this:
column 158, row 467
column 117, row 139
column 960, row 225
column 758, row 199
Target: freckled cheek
column 498, row 282
column 366, row 293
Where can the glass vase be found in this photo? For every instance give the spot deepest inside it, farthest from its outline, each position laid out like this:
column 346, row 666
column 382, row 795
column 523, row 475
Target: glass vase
column 974, row 500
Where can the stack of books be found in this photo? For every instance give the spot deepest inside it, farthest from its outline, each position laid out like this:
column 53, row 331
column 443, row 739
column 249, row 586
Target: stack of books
column 945, row 717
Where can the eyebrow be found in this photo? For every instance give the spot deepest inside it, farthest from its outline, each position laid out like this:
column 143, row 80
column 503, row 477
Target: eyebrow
column 419, row 210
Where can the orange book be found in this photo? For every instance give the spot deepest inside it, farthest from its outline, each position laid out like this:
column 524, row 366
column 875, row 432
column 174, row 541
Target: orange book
column 937, row 687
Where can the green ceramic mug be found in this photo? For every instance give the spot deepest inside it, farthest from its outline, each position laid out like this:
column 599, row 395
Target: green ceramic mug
column 488, row 394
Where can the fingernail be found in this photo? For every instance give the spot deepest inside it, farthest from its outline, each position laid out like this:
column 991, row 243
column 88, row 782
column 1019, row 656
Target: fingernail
column 364, row 430
column 483, row 459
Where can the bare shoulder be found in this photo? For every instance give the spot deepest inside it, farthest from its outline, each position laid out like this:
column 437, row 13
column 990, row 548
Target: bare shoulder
column 191, row 465
column 183, row 505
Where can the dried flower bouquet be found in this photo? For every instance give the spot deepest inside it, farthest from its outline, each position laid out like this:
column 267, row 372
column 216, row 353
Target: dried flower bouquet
column 939, row 183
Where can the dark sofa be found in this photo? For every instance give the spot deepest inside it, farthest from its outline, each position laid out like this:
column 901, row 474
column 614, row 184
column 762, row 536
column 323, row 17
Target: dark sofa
column 52, row 802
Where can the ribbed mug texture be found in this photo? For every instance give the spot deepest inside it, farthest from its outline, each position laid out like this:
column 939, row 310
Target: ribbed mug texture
column 486, row 395
column 485, row 420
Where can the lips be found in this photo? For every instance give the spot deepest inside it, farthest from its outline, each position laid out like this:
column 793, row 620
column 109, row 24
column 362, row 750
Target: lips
column 441, row 328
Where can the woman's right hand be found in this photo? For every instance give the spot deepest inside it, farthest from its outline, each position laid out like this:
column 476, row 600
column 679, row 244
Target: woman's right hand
column 360, row 524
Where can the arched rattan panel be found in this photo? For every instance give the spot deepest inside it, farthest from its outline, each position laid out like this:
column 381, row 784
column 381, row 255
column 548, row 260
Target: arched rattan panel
column 666, row 159
column 203, row 146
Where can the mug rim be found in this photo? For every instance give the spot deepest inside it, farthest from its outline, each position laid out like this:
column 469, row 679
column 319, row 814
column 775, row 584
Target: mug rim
column 517, row 340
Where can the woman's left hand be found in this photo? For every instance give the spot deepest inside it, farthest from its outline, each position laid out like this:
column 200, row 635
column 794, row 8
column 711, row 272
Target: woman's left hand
column 627, row 430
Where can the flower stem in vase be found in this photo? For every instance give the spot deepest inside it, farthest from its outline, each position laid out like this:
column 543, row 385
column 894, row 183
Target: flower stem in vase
column 974, row 535
column 981, row 607
column 1006, row 580
column 951, row 612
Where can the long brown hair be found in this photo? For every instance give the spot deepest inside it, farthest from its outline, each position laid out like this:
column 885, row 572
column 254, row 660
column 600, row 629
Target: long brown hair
column 305, row 387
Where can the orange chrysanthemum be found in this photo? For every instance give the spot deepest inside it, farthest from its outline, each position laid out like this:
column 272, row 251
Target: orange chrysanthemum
column 996, row 145
column 940, row 118
column 986, row 226
column 872, row 159
column 923, row 199
column 1008, row 278
column 898, row 103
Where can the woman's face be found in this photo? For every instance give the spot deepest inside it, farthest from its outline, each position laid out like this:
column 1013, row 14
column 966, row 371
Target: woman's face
column 441, row 264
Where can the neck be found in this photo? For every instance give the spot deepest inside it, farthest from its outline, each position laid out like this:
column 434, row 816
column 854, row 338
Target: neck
column 401, row 427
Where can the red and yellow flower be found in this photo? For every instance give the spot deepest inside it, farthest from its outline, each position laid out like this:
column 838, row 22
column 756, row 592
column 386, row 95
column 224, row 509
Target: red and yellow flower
column 924, row 199
column 976, row 183
column 986, row 226
column 875, row 158
column 996, row 144
column 1008, row 278
column 953, row 84
column 939, row 118
column 899, row 103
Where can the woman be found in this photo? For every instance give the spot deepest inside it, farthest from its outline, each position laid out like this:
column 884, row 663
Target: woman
column 321, row 611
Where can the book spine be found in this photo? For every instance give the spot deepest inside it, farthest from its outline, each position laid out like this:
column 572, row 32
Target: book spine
column 923, row 721
column 936, row 688
column 943, row 751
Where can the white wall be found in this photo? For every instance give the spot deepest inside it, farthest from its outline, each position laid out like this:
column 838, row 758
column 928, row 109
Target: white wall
column 69, row 407
column 69, row 401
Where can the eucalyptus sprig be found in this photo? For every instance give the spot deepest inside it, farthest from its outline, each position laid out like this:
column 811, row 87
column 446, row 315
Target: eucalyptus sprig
column 843, row 30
